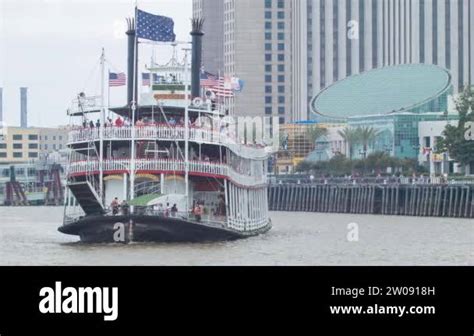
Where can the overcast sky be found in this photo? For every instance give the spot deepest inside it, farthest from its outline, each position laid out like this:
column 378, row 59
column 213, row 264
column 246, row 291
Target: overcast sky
column 53, row 48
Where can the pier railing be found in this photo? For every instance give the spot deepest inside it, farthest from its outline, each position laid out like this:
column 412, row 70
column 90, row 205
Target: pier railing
column 402, row 199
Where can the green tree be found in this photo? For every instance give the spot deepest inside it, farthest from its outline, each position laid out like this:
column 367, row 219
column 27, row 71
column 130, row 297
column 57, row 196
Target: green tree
column 454, row 139
column 351, row 138
column 315, row 133
column 366, row 136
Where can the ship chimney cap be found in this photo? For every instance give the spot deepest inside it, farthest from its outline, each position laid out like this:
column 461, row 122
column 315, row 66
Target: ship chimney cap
column 197, row 25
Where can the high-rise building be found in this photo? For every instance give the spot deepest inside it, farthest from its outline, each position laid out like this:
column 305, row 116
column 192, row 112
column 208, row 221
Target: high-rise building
column 213, row 44
column 287, row 51
column 347, row 37
column 257, row 47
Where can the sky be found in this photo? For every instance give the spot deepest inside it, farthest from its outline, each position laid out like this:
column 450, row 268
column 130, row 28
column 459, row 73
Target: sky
column 53, row 47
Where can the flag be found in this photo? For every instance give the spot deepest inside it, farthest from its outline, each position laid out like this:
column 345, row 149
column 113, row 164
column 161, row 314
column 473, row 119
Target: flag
column 117, row 79
column 224, row 88
column 146, row 81
column 208, row 80
column 158, row 78
column 155, row 27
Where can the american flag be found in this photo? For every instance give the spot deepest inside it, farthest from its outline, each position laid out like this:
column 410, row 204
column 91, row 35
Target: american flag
column 224, row 88
column 208, row 80
column 146, row 79
column 155, row 27
column 117, row 79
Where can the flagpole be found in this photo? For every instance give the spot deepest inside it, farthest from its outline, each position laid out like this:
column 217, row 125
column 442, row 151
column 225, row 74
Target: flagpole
column 134, row 107
column 187, row 82
column 101, row 130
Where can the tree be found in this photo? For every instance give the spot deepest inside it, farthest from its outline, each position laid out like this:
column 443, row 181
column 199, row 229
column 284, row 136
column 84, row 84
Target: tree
column 351, row 138
column 315, row 133
column 366, row 135
column 454, row 139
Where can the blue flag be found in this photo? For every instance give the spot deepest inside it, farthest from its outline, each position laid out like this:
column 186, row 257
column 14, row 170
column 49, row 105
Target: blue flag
column 155, row 27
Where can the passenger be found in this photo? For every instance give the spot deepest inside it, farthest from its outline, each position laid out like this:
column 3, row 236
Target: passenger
column 174, row 210
column 159, row 210
column 198, row 212
column 91, row 124
column 167, row 210
column 97, row 124
column 125, row 208
column 115, row 206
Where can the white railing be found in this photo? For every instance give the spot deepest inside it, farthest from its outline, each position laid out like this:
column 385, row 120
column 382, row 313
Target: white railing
column 199, row 167
column 163, row 132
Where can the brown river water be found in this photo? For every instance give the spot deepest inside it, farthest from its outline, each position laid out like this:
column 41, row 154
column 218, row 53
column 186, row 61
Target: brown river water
column 29, row 236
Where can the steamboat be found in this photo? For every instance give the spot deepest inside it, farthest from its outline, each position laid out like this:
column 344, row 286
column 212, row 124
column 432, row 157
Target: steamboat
column 166, row 167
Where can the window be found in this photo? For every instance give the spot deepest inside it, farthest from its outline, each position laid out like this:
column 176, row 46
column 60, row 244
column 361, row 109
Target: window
column 33, row 146
column 54, row 138
column 33, row 155
column 268, row 3
column 268, row 57
column 281, row 46
column 268, row 68
column 17, row 146
column 268, row 25
column 281, row 15
column 45, row 137
column 282, row 121
column 33, row 137
column 268, row 110
column 281, row 110
column 281, row 57
column 17, row 155
column 3, row 145
column 281, row 89
column 268, row 78
column 268, row 89
column 268, row 36
column 281, row 4
column 281, row 25
column 281, row 99
column 281, row 67
column 281, row 79
column 281, row 36
column 60, row 138
column 268, row 15
column 17, row 137
column 3, row 155
column 268, row 100
column 45, row 146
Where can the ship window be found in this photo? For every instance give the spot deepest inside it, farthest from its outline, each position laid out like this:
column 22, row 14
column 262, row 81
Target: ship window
column 17, row 155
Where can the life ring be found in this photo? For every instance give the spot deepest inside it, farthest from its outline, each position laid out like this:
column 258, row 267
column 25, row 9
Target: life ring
column 197, row 102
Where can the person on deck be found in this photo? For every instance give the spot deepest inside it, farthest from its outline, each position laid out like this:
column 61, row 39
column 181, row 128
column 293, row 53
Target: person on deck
column 174, row 210
column 115, row 206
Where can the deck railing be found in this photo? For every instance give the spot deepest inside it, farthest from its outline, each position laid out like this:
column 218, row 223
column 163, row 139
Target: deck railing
column 165, row 132
column 170, row 166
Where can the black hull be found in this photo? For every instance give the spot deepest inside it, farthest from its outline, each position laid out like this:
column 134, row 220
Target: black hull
column 103, row 229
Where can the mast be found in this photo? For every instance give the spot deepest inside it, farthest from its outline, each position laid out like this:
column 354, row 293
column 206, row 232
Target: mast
column 186, row 127
column 102, row 124
column 132, row 93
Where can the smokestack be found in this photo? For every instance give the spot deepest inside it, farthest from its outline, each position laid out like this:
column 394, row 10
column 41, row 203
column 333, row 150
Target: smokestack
column 24, row 107
column 197, row 35
column 1, row 105
column 132, row 62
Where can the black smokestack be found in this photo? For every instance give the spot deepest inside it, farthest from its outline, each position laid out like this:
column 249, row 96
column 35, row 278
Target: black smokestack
column 132, row 61
column 197, row 35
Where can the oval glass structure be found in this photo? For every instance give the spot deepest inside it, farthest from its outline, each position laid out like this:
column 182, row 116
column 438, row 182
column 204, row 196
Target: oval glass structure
column 412, row 88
